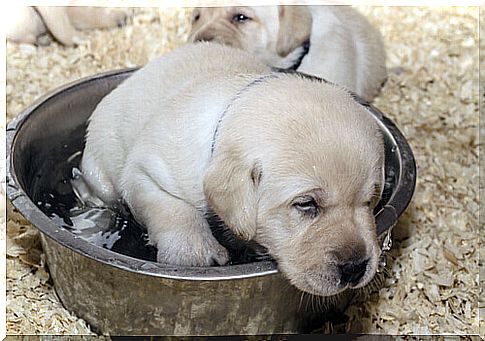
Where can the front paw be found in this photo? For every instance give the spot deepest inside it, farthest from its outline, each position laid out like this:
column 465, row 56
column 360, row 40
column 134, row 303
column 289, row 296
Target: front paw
column 190, row 249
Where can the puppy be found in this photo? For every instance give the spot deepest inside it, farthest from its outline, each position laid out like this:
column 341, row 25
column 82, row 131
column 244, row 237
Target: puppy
column 333, row 42
column 32, row 24
column 288, row 161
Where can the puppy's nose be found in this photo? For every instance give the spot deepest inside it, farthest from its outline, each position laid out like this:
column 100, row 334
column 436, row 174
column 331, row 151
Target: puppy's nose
column 352, row 272
column 204, row 36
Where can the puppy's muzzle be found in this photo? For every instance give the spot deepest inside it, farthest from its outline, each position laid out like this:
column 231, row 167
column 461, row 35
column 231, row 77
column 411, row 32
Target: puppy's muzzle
column 204, row 36
column 212, row 36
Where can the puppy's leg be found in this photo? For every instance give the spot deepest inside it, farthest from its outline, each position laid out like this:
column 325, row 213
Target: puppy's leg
column 96, row 17
column 179, row 231
column 92, row 185
column 58, row 23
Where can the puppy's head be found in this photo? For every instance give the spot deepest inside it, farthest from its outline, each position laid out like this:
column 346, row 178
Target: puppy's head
column 298, row 167
column 266, row 31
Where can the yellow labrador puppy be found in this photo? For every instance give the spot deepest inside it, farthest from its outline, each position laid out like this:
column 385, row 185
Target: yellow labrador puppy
column 333, row 42
column 32, row 24
column 288, row 161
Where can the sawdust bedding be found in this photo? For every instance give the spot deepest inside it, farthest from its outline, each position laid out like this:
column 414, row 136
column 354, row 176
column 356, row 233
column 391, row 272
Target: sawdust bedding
column 431, row 283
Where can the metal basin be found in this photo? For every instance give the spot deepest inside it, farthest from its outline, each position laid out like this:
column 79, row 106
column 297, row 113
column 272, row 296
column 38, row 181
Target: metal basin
column 124, row 294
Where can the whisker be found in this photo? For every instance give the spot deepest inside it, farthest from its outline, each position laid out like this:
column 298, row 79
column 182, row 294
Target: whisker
column 301, row 300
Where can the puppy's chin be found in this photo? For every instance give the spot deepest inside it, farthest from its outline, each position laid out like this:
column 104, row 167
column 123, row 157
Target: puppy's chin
column 312, row 284
column 326, row 280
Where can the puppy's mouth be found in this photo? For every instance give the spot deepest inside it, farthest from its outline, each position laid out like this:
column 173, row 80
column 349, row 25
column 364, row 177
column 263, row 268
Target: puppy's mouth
column 228, row 40
column 333, row 280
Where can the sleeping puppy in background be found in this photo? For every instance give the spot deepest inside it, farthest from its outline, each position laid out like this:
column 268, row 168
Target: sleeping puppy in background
column 288, row 161
column 32, row 25
column 336, row 43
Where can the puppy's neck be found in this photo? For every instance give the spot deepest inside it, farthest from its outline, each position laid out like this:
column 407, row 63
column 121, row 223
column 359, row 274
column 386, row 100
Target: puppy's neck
column 256, row 81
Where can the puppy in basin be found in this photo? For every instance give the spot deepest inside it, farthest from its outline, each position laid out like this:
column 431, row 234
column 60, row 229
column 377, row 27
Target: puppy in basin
column 289, row 161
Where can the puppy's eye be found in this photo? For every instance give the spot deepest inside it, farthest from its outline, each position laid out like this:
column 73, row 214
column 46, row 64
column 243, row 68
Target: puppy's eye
column 306, row 205
column 239, row 18
column 196, row 17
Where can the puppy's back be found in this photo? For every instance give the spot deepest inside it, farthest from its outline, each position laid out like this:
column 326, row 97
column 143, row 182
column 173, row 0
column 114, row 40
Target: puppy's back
column 151, row 104
column 370, row 48
column 124, row 110
column 346, row 49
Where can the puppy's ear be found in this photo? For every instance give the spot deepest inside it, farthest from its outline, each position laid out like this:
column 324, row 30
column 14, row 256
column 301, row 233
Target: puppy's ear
column 231, row 187
column 294, row 28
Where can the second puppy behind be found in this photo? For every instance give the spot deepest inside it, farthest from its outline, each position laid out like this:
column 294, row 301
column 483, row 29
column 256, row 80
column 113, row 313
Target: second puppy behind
column 333, row 42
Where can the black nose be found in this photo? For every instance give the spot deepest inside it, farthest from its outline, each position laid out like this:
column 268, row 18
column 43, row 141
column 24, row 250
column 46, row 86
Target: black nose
column 352, row 272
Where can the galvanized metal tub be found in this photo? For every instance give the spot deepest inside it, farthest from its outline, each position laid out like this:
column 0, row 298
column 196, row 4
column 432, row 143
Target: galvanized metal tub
column 123, row 295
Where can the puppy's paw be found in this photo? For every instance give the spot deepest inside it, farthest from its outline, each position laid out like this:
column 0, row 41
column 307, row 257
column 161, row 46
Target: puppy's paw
column 190, row 249
column 77, row 40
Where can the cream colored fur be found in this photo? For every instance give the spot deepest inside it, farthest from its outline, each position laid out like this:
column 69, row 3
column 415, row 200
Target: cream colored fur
column 280, row 141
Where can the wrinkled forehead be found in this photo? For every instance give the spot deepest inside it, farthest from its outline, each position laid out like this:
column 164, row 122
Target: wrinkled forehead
column 340, row 162
column 332, row 176
column 323, row 162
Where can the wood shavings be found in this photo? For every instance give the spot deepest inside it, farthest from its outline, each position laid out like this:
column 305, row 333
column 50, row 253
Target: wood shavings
column 14, row 250
column 434, row 101
column 431, row 282
column 450, row 256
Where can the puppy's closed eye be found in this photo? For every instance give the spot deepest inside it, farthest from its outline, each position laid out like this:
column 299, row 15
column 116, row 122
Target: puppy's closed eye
column 307, row 205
